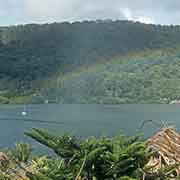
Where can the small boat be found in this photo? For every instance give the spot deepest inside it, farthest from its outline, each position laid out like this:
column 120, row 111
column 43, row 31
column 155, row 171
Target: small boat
column 175, row 102
column 24, row 112
column 46, row 102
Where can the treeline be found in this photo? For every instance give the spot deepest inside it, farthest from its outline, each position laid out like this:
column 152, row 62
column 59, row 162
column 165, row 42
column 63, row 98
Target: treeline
column 31, row 52
column 147, row 77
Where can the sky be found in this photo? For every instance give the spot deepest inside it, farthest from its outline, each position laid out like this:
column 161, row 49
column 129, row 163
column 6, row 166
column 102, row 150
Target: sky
column 13, row 12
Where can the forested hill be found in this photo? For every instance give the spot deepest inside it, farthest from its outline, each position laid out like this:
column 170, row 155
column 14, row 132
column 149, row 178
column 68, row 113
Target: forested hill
column 30, row 53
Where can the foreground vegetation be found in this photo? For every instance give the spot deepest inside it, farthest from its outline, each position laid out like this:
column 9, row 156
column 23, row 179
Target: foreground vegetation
column 117, row 158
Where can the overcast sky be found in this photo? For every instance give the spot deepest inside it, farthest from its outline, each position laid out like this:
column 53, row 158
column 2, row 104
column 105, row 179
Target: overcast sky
column 43, row 11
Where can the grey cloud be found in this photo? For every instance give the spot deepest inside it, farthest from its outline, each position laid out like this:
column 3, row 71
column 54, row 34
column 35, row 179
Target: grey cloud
column 98, row 11
column 159, row 11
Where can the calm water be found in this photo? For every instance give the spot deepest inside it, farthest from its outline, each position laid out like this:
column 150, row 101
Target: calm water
column 83, row 120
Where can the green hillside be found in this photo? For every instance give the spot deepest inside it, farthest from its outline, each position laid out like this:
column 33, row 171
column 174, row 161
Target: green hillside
column 147, row 77
column 33, row 57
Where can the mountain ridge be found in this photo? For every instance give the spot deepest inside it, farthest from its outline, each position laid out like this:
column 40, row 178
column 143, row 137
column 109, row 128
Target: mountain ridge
column 30, row 54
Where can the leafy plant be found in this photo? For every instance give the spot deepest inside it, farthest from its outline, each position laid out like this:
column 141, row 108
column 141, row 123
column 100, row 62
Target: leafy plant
column 21, row 153
column 102, row 159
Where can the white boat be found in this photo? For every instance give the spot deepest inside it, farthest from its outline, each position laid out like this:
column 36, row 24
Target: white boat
column 175, row 102
column 24, row 112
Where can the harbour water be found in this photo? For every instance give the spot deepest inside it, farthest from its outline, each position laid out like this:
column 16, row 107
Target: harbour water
column 84, row 120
